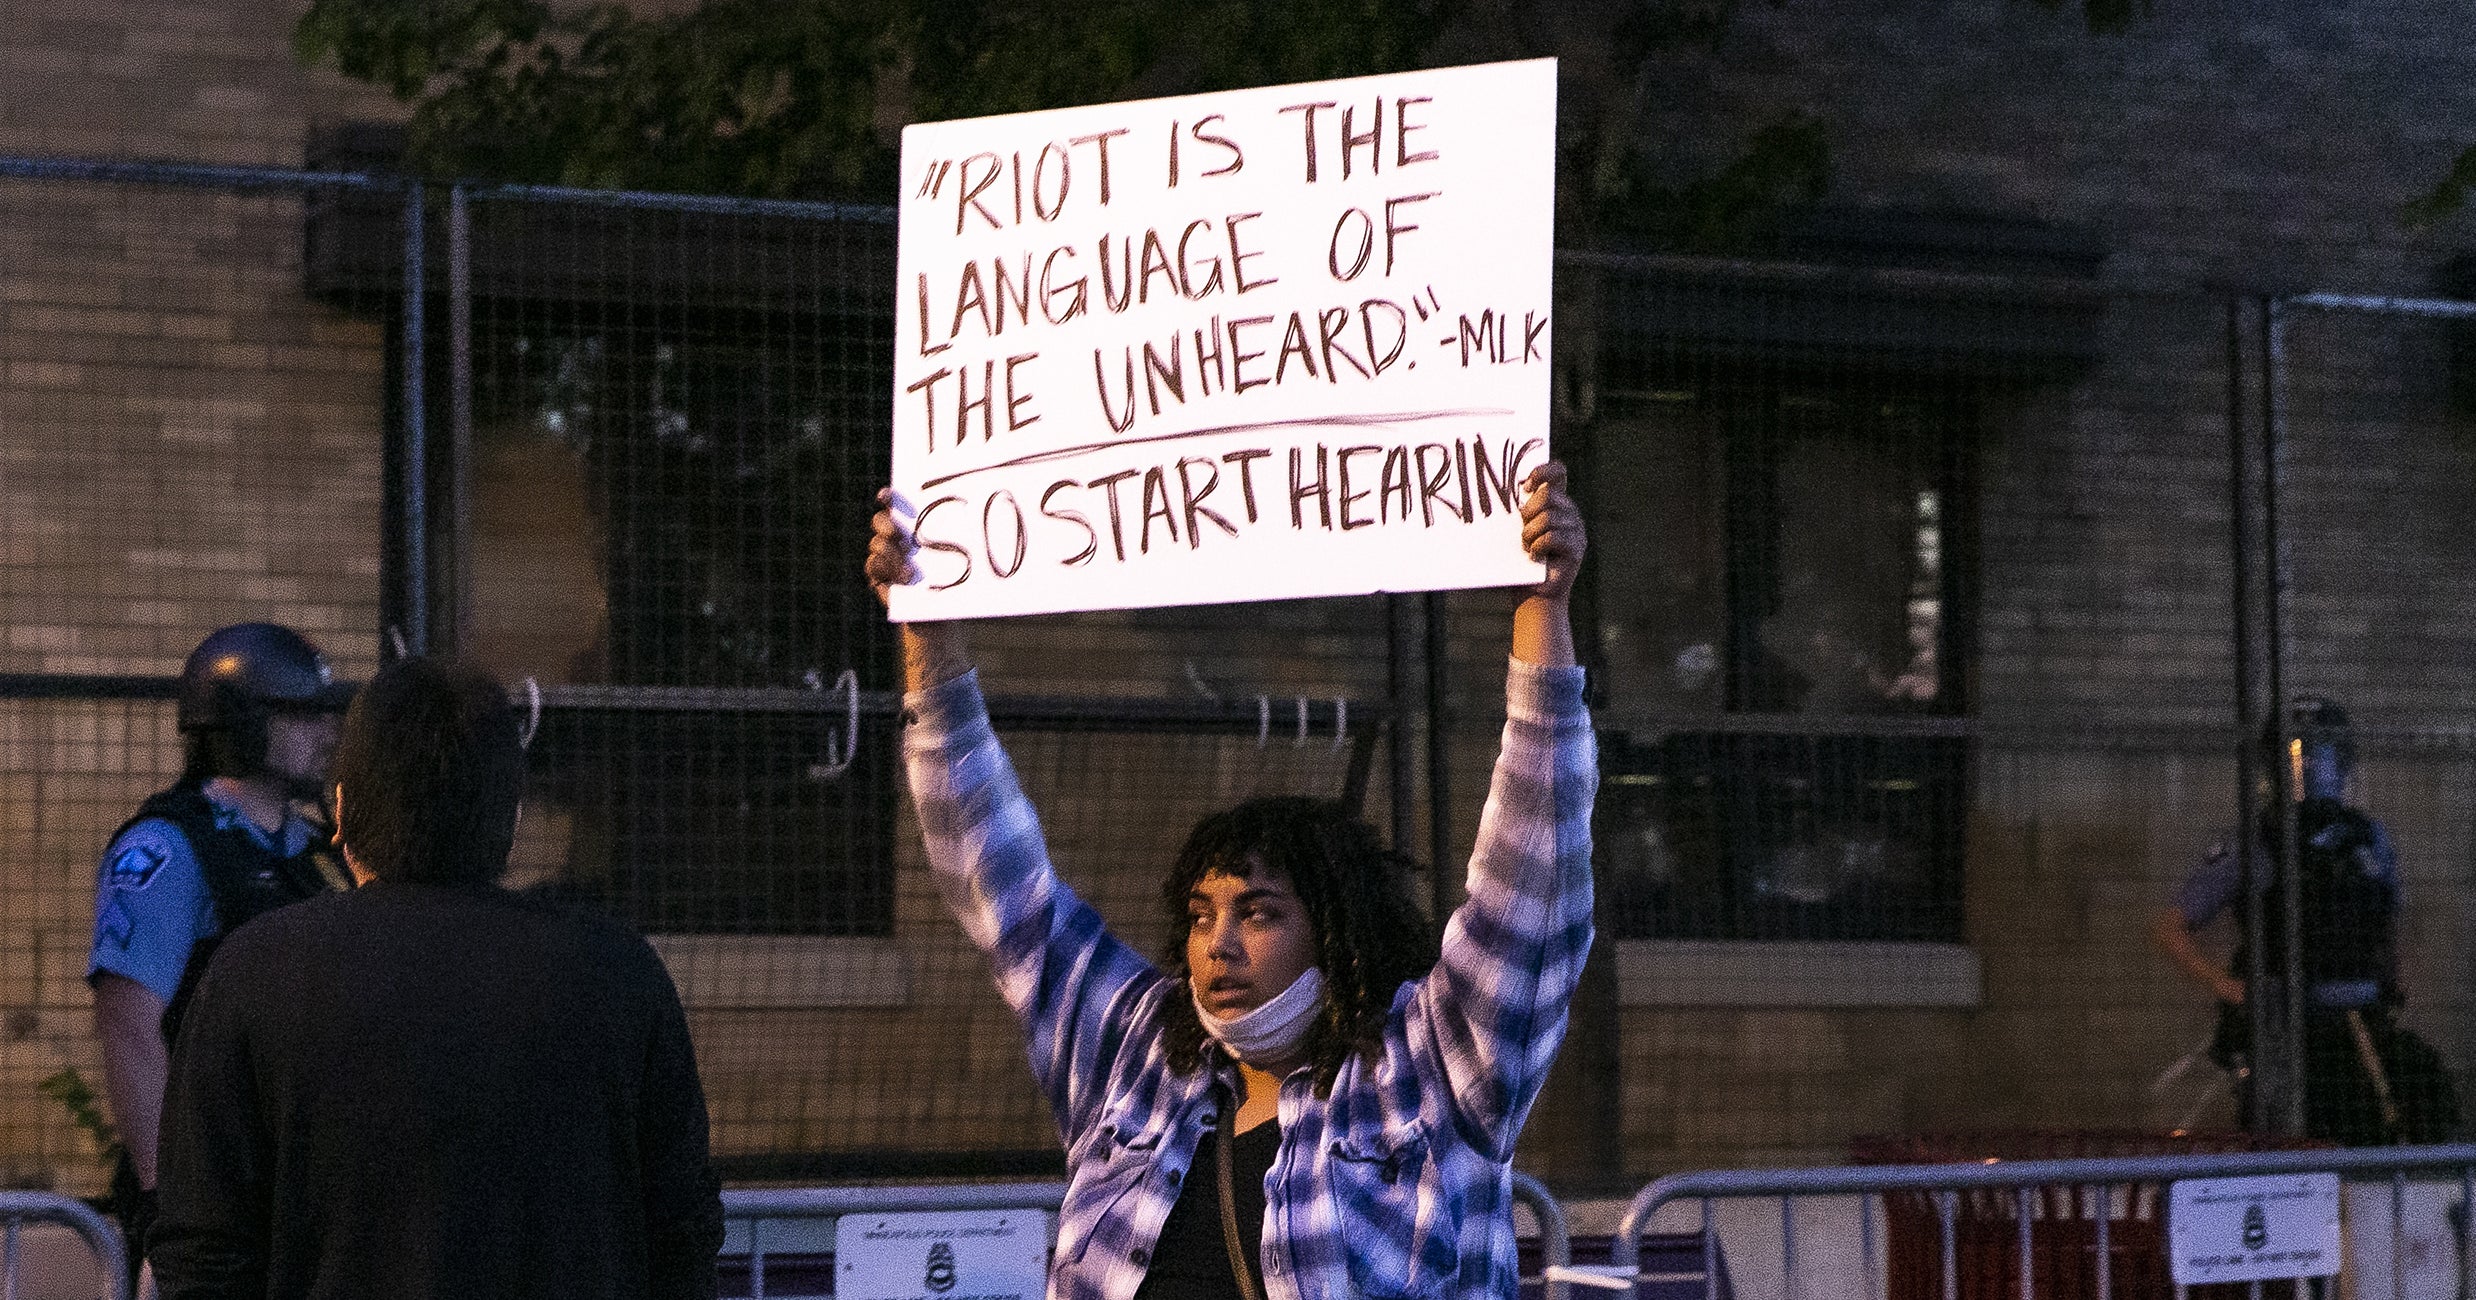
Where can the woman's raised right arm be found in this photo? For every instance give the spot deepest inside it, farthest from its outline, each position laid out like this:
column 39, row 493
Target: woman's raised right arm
column 1073, row 985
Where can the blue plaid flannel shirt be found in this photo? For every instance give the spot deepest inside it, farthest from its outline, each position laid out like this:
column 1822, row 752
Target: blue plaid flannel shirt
column 1398, row 1184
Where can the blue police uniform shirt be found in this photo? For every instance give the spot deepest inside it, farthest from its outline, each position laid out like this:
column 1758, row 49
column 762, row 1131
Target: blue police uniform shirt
column 2217, row 883
column 152, row 906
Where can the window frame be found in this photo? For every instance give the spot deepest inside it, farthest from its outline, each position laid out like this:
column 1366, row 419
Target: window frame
column 625, row 707
column 1748, row 519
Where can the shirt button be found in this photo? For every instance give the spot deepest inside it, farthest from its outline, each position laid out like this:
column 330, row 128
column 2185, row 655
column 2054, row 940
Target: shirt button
column 1140, row 1256
column 1175, row 1177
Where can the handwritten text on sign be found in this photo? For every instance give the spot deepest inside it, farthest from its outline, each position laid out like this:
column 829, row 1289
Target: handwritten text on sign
column 1270, row 343
column 2253, row 1229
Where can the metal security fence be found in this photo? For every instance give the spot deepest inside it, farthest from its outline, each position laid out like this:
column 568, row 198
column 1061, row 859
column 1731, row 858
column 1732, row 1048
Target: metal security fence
column 622, row 448
column 2024, row 1228
column 1942, row 583
column 35, row 1260
column 187, row 438
column 780, row 1240
column 1947, row 588
column 888, row 1054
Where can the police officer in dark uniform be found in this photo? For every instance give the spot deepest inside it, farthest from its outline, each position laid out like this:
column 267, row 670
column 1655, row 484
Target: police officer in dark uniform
column 2368, row 1080
column 241, row 832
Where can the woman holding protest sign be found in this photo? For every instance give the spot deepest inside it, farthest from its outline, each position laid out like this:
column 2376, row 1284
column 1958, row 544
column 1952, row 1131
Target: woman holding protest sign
column 1305, row 1098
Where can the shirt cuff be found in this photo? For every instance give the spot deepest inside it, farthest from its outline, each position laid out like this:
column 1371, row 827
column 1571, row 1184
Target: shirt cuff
column 99, row 965
column 945, row 712
column 1541, row 694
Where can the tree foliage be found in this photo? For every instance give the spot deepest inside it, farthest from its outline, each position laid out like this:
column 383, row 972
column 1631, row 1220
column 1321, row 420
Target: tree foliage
column 802, row 98
column 805, row 98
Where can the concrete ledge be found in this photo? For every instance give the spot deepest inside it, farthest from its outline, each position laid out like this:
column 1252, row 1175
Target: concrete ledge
column 785, row 972
column 1692, row 973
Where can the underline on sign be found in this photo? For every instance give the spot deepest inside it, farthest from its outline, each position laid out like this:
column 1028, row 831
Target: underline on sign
column 1327, row 421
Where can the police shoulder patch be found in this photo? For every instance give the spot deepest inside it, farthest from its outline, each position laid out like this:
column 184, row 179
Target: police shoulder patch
column 115, row 926
column 135, row 866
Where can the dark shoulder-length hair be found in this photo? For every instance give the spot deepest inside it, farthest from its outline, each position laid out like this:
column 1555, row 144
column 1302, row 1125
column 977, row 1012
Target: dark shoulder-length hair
column 1370, row 937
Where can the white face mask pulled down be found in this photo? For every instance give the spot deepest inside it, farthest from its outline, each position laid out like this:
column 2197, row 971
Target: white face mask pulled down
column 1272, row 1031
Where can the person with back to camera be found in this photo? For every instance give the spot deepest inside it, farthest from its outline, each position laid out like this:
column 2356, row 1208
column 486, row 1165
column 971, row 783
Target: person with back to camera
column 2368, row 1080
column 431, row 1085
column 239, row 833
column 1307, row 1099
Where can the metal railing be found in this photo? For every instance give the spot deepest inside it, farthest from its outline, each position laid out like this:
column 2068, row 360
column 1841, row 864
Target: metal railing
column 17, row 1209
column 1944, row 1182
column 756, row 1206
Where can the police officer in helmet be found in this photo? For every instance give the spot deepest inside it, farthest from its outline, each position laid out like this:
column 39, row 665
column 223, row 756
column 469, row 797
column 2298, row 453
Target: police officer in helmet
column 241, row 832
column 2367, row 1079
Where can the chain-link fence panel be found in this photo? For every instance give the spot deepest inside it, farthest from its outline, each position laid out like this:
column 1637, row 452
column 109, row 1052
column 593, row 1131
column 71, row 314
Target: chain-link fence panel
column 667, row 427
column 1918, row 639
column 1939, row 589
column 189, row 437
column 2366, row 467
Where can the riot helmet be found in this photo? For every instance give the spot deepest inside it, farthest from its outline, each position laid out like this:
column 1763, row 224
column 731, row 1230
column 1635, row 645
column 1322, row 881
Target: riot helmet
column 238, row 678
column 2311, row 750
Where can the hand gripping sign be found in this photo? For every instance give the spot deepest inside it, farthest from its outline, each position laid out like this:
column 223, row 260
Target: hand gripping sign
column 1246, row 346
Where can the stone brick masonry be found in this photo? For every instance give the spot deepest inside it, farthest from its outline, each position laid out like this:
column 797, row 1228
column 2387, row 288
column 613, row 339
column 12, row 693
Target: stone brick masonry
column 187, row 439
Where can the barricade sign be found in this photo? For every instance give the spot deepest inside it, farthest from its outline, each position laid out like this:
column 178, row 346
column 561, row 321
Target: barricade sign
column 2253, row 1229
column 961, row 1255
column 1270, row 343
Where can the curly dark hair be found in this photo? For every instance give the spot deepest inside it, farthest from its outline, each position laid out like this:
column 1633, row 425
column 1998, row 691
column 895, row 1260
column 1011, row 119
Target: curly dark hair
column 1370, row 937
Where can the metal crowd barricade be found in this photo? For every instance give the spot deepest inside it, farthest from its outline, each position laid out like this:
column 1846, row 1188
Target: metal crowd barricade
column 755, row 1207
column 2024, row 1178
column 102, row 1239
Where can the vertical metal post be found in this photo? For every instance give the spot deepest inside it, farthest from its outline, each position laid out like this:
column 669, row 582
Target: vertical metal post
column 2398, row 1235
column 8, row 1264
column 2106, row 1263
column 1951, row 1248
column 2466, row 1224
column 416, row 430
column 2260, row 1089
column 2024, row 1202
column 1439, row 764
column 1402, row 787
column 1710, row 1251
column 756, row 1259
column 2289, row 1117
column 1865, row 1248
column 1788, row 1248
column 460, row 414
column 2247, row 717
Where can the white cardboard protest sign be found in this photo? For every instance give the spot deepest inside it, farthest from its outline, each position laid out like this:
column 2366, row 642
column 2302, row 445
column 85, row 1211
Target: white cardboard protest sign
column 961, row 1255
column 1262, row 344
column 2253, row 1229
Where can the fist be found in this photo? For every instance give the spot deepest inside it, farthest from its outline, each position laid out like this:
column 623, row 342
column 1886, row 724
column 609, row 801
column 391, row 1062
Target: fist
column 890, row 548
column 1552, row 529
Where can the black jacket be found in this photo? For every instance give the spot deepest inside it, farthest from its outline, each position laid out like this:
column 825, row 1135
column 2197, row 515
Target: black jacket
column 420, row 1090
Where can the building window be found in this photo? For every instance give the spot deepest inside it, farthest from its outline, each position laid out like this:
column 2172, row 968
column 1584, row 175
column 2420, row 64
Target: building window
column 1783, row 587
column 665, row 506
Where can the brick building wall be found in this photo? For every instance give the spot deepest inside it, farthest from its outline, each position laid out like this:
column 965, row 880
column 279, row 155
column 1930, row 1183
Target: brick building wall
column 162, row 377
column 185, row 441
column 2264, row 148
